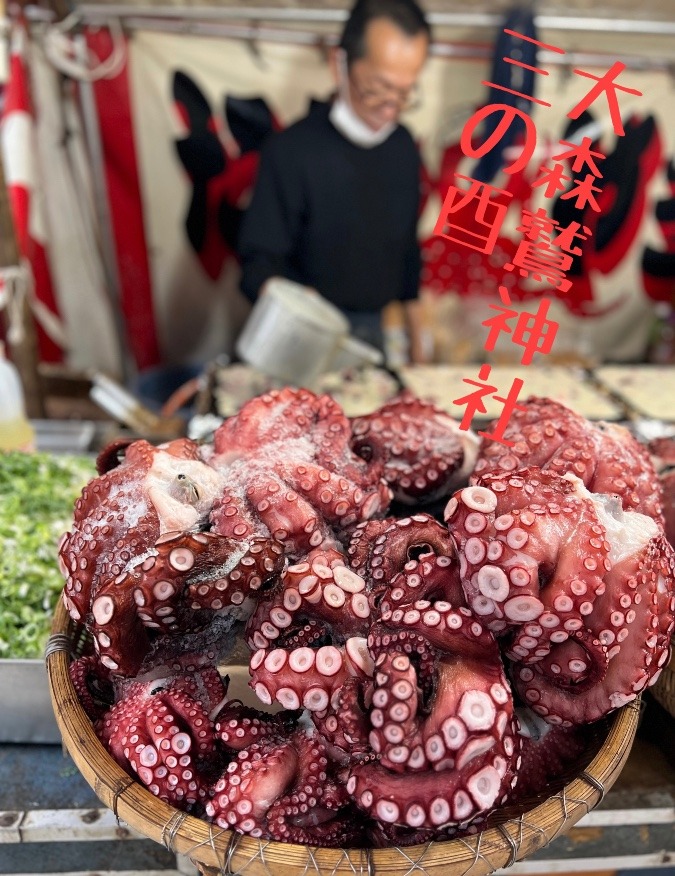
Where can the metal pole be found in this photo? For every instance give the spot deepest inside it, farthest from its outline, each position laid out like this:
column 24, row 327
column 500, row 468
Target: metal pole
column 99, row 12
column 92, row 136
column 440, row 49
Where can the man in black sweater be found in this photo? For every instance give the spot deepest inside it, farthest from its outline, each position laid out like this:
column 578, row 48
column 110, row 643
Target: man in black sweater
column 336, row 202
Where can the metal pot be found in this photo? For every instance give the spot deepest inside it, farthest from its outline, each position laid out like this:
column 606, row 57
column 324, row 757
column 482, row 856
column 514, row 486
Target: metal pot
column 294, row 334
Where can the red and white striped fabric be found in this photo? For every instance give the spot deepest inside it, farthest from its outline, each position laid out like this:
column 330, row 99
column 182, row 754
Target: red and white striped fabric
column 126, row 206
column 19, row 153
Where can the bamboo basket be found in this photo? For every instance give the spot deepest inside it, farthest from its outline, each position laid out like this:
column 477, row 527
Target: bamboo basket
column 516, row 834
column 664, row 689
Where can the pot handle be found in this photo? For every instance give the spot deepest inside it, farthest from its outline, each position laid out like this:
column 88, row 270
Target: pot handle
column 351, row 352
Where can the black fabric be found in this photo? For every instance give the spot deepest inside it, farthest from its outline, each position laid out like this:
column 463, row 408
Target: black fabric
column 200, row 153
column 249, row 120
column 335, row 216
column 513, row 77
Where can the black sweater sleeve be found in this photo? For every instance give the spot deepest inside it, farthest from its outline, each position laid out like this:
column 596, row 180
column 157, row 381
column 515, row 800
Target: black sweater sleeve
column 269, row 229
column 412, row 265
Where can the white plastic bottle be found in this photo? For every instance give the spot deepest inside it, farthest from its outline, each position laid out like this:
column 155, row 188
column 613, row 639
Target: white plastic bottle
column 16, row 432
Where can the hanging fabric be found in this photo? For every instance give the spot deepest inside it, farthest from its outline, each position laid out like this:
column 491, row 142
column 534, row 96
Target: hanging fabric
column 22, row 175
column 513, row 77
column 84, row 300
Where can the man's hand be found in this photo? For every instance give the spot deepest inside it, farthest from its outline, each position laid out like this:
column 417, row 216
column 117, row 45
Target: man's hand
column 420, row 339
column 272, row 280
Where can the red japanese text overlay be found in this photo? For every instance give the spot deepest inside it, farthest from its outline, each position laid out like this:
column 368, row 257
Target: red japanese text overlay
column 545, row 252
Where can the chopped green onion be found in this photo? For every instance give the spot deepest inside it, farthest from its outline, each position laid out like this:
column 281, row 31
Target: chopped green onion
column 37, row 495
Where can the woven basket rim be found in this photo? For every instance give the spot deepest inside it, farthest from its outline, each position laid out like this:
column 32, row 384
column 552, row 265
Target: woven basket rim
column 663, row 690
column 229, row 852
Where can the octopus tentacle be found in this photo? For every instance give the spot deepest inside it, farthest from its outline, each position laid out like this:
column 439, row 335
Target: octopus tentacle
column 312, row 634
column 243, row 795
column 341, row 831
column 403, row 542
column 432, row 800
column 382, row 835
column 120, row 636
column 178, row 709
column 216, row 573
column 239, row 726
column 362, row 540
column 533, row 555
column 280, row 789
column 636, row 638
column 447, row 751
column 383, row 640
column 245, row 569
column 165, row 739
column 202, row 683
column 455, row 630
column 323, row 587
column 231, row 518
column 302, row 803
column 111, row 455
column 275, row 674
column 287, row 515
column 342, row 502
column 429, row 577
column 395, row 733
column 577, row 659
column 451, row 634
column 344, row 725
column 92, row 684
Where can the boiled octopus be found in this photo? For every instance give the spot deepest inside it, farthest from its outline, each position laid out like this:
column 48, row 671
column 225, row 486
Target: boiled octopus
column 442, row 718
column 582, row 590
column 425, row 455
column 171, row 536
column 289, row 472
column 545, row 434
column 396, row 662
column 161, row 731
column 282, row 788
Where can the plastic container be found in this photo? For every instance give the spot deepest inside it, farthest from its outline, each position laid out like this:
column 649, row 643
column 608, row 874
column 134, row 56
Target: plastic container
column 16, row 432
column 294, row 334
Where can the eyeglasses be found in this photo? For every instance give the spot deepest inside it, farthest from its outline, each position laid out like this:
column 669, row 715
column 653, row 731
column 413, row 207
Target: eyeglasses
column 379, row 96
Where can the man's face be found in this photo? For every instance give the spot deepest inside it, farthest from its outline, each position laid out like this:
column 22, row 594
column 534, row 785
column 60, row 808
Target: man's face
column 382, row 83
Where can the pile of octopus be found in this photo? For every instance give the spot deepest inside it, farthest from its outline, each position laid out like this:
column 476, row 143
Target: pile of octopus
column 434, row 621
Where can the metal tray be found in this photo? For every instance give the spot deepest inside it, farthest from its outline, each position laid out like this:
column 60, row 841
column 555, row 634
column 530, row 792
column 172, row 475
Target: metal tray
column 64, row 436
column 26, row 715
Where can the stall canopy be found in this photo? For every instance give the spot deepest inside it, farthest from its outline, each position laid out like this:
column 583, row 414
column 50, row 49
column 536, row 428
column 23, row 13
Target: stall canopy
column 144, row 124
